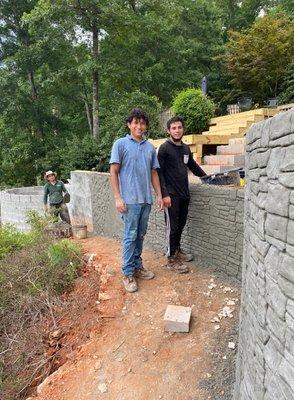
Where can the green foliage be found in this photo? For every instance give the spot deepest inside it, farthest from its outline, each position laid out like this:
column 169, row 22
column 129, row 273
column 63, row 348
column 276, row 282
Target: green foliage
column 30, row 280
column 257, row 58
column 64, row 258
column 148, row 48
column 195, row 108
column 287, row 88
column 11, row 240
column 37, row 222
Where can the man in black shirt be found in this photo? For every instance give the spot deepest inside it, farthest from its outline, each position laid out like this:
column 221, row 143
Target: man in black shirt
column 175, row 158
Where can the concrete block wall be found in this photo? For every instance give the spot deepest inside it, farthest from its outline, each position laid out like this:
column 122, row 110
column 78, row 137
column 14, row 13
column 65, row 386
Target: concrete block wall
column 265, row 363
column 15, row 203
column 214, row 230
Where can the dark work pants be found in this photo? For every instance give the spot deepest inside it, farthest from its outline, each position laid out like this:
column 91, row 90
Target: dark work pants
column 62, row 210
column 175, row 220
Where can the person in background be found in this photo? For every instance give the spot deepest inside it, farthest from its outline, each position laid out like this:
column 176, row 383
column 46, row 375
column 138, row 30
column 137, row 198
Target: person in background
column 175, row 158
column 54, row 190
column 133, row 169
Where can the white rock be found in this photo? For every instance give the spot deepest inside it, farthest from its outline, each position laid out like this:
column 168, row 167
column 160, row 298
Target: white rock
column 231, row 345
column 98, row 365
column 102, row 387
column 231, row 303
column 104, row 296
column 212, row 286
column 226, row 312
column 216, row 327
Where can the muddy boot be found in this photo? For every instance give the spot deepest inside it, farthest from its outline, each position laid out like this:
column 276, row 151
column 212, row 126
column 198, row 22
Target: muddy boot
column 142, row 273
column 183, row 256
column 130, row 284
column 174, row 264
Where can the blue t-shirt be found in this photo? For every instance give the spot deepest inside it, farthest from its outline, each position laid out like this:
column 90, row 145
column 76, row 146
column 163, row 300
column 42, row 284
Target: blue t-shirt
column 136, row 160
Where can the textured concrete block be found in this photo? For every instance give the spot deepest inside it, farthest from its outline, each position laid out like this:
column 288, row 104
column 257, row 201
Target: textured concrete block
column 287, row 268
column 278, row 200
column 276, row 227
column 177, row 318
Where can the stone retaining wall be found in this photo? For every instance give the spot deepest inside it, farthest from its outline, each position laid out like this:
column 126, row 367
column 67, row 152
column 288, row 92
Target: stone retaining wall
column 214, row 231
column 265, row 365
column 15, row 203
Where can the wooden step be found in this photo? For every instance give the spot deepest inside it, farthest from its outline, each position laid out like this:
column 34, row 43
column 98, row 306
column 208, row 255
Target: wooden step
column 266, row 112
column 226, row 131
column 247, row 119
column 200, row 139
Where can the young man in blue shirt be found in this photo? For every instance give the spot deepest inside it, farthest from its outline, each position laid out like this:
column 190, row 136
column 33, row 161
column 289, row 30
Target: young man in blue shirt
column 133, row 166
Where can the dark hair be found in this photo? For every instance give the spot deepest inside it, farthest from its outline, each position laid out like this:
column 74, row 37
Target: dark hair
column 137, row 113
column 177, row 118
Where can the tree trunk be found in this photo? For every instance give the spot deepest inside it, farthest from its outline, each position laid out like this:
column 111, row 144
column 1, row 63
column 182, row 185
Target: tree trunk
column 95, row 123
column 89, row 116
column 33, row 86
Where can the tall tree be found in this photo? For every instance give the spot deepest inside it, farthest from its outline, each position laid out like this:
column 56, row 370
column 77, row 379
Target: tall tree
column 257, row 58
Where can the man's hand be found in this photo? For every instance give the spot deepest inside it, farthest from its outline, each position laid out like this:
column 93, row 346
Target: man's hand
column 166, row 202
column 159, row 202
column 120, row 205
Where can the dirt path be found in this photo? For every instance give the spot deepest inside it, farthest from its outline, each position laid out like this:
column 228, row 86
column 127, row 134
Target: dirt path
column 130, row 357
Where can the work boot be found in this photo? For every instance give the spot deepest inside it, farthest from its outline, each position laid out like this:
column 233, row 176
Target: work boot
column 130, row 284
column 142, row 273
column 174, row 264
column 183, row 256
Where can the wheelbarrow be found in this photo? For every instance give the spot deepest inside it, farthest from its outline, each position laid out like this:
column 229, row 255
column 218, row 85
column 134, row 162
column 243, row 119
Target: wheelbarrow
column 230, row 177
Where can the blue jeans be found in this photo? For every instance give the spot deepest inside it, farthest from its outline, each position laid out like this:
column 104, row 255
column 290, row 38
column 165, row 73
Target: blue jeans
column 135, row 228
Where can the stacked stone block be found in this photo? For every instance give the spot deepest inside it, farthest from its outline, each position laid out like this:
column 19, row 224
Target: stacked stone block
column 214, row 229
column 265, row 365
column 15, row 203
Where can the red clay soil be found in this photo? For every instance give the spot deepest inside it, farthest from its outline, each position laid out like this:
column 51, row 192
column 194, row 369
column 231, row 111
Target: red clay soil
column 115, row 347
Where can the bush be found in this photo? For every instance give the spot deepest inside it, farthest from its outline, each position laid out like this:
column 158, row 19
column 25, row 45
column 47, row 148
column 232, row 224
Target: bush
column 64, row 260
column 195, row 108
column 30, row 280
column 11, row 240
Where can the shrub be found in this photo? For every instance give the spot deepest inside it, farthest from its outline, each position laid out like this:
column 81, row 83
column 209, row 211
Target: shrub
column 11, row 240
column 64, row 260
column 30, row 280
column 195, row 108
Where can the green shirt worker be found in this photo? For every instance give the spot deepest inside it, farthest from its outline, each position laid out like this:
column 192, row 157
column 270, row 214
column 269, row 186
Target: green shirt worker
column 54, row 189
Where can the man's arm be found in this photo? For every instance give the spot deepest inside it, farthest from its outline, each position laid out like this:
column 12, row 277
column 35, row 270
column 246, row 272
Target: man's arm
column 63, row 187
column 165, row 195
column 119, row 203
column 156, row 186
column 194, row 167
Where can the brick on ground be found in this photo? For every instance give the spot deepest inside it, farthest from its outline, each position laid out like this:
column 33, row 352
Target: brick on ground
column 177, row 318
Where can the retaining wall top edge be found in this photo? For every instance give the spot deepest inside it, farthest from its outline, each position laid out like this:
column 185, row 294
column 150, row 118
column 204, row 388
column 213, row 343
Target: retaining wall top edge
column 26, row 190
column 89, row 172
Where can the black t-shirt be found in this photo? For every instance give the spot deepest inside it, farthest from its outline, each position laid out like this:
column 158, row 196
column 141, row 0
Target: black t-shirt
column 174, row 161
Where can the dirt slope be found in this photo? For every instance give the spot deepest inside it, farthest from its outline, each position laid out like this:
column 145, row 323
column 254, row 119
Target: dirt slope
column 128, row 356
